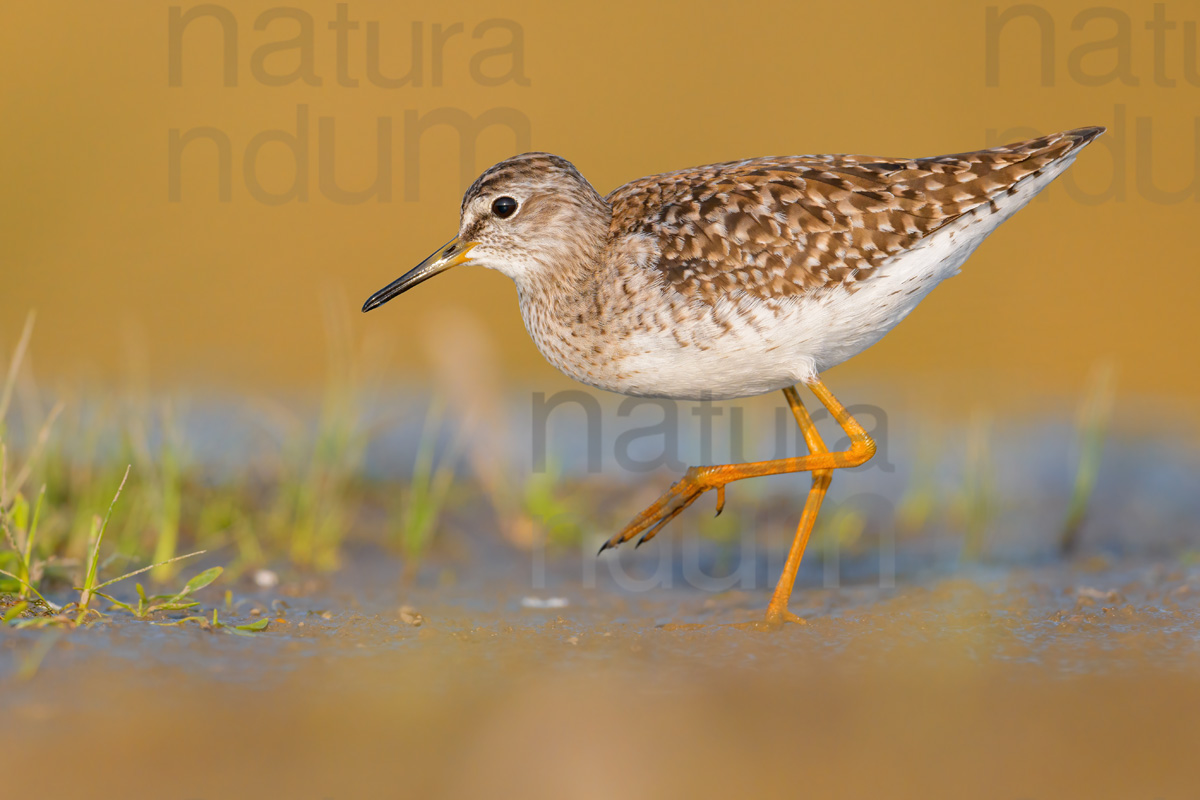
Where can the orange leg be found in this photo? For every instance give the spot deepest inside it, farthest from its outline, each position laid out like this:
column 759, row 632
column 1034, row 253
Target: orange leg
column 819, row 461
column 777, row 611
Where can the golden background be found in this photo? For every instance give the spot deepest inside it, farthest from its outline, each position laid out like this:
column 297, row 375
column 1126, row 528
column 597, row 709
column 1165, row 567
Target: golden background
column 229, row 294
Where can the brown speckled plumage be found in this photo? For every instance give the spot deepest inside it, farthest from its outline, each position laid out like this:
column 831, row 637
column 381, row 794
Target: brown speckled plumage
column 742, row 277
column 776, row 227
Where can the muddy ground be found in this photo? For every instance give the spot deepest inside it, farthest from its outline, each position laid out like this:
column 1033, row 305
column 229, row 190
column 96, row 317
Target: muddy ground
column 1059, row 679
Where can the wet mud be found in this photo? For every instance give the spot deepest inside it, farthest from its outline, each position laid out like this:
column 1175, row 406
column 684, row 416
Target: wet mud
column 1070, row 679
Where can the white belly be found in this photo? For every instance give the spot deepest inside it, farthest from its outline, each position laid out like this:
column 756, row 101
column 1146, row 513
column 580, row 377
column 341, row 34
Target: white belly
column 744, row 346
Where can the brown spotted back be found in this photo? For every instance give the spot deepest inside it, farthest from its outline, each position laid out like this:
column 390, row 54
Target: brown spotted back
column 780, row 226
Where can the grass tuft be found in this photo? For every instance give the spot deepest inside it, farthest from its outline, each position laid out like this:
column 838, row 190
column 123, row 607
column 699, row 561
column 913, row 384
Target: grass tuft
column 1092, row 426
column 432, row 478
column 979, row 498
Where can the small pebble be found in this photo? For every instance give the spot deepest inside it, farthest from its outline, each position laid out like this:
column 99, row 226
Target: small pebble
column 266, row 579
column 1111, row 596
column 410, row 616
column 544, row 602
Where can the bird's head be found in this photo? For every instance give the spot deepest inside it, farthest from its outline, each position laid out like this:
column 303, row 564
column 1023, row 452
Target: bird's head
column 527, row 217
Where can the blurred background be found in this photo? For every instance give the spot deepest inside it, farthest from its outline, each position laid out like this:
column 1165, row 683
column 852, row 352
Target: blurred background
column 198, row 198
column 400, row 510
column 190, row 190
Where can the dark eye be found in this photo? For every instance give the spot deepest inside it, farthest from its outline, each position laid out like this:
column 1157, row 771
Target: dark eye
column 504, row 207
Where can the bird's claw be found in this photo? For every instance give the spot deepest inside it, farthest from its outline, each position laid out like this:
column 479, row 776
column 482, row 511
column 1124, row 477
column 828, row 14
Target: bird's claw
column 670, row 505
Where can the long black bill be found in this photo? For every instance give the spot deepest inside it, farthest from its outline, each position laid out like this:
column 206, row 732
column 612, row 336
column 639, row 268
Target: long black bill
column 448, row 255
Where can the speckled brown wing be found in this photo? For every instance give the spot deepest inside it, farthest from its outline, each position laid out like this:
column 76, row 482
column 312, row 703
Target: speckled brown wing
column 781, row 226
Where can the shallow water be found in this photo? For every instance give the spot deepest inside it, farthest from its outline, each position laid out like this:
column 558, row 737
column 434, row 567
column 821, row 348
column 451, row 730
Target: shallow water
column 1051, row 680
column 500, row 671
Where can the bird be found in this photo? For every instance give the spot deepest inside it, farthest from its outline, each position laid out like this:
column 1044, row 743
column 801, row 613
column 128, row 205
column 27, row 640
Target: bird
column 736, row 279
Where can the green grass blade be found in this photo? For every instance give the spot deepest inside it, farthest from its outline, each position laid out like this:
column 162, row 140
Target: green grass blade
column 248, row 628
column 33, row 455
column 200, row 581
column 1095, row 416
column 171, row 606
column 257, row 625
column 201, row 621
column 116, row 602
column 89, row 583
column 14, row 366
column 147, row 569
column 31, row 588
column 16, row 521
column 14, row 612
column 31, row 535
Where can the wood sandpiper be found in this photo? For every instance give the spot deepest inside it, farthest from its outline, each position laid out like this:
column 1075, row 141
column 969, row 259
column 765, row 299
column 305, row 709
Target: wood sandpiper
column 736, row 279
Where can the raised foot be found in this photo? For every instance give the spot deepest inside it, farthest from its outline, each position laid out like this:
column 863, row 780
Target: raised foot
column 695, row 482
